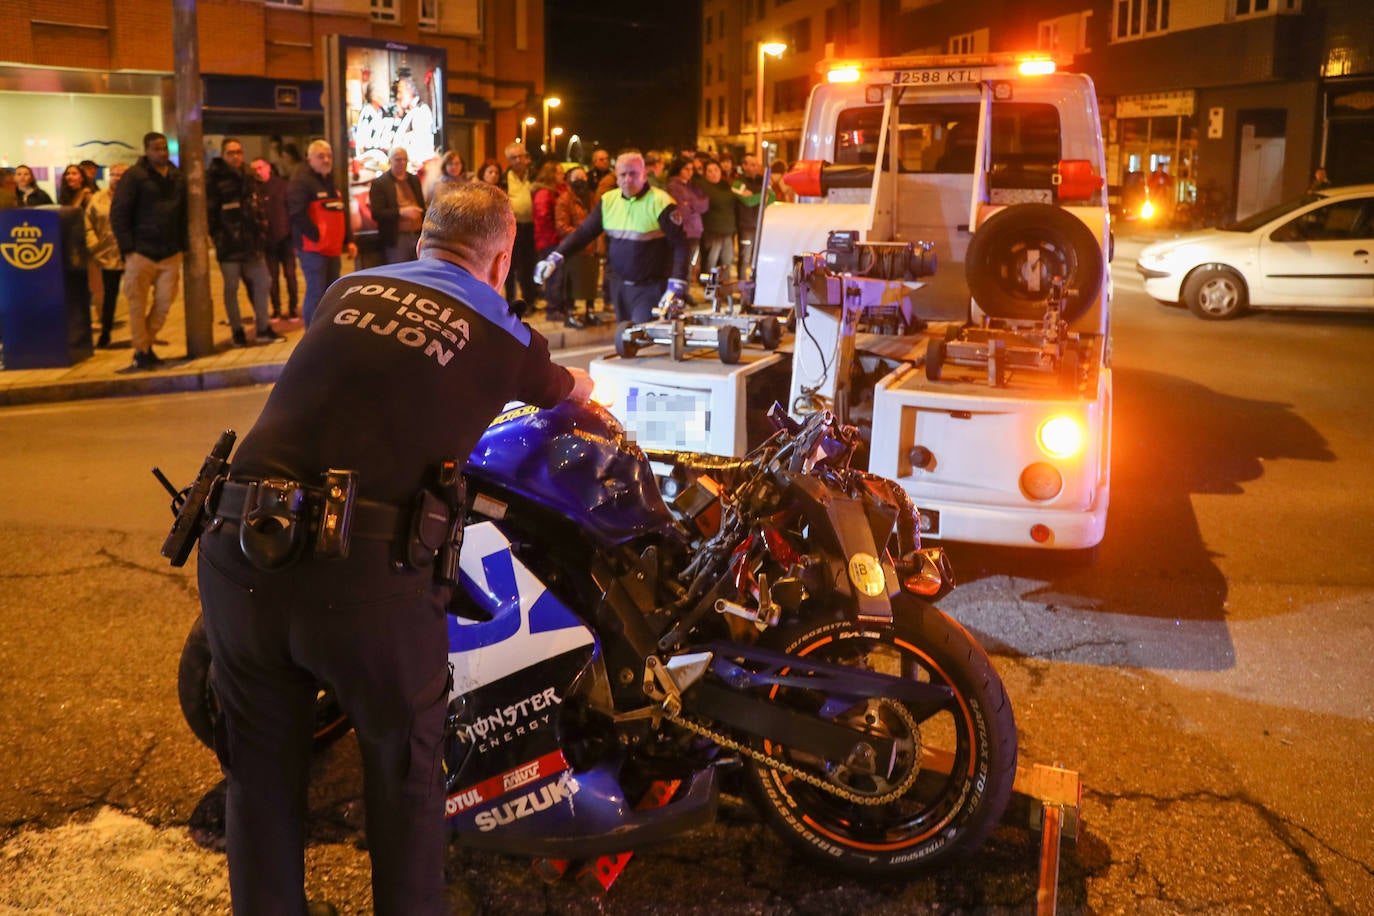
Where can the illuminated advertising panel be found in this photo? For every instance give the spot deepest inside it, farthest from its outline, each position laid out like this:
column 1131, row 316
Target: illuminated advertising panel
column 381, row 95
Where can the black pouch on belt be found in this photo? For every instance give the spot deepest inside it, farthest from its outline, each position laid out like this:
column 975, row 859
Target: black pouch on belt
column 428, row 530
column 274, row 524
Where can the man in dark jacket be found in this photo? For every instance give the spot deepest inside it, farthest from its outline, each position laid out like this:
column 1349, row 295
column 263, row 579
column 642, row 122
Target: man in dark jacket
column 398, row 206
column 238, row 227
column 148, row 215
column 280, row 256
column 390, row 401
column 320, row 228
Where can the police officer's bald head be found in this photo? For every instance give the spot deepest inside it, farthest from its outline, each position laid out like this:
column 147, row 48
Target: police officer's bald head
column 471, row 224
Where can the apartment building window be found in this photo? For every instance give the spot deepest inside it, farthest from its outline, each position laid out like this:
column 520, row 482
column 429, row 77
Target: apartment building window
column 790, row 95
column 706, row 75
column 1064, row 34
column 747, row 109
column 710, row 24
column 1262, row 7
column 449, row 17
column 1135, row 18
column 294, row 4
column 720, row 111
column 386, row 11
column 830, row 25
column 706, row 112
column 969, row 43
column 798, row 36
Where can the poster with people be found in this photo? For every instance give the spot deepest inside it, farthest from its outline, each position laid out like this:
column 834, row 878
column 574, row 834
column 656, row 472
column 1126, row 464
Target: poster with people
column 393, row 96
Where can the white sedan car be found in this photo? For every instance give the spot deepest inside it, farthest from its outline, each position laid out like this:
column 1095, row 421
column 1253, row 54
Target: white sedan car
column 1315, row 252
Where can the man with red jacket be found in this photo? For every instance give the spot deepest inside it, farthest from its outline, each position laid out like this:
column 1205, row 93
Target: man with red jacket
column 320, row 228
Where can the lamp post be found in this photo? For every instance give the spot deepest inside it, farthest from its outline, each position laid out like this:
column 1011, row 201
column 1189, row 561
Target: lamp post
column 552, row 101
column 525, row 125
column 553, row 147
column 771, row 49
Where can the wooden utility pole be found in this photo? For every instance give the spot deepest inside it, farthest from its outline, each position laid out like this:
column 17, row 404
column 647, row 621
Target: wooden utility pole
column 200, row 339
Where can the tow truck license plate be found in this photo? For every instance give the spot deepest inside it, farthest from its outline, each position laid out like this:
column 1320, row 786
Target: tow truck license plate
column 943, row 76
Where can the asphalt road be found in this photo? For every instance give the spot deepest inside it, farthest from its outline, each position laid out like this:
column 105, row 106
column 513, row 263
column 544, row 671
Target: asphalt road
column 1209, row 675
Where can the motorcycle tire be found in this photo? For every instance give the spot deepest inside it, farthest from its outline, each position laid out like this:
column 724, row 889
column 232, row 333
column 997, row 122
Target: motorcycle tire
column 945, row 814
column 200, row 707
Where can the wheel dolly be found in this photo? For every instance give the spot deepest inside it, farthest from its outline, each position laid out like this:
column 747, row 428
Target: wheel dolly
column 1044, row 345
column 724, row 327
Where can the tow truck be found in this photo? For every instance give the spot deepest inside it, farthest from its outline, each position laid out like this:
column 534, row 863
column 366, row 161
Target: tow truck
column 946, row 265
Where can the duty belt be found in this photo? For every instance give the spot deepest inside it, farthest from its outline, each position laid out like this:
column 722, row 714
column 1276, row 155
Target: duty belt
column 371, row 520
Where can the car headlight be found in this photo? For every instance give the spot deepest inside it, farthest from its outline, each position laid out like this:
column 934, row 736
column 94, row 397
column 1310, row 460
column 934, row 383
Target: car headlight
column 1155, row 260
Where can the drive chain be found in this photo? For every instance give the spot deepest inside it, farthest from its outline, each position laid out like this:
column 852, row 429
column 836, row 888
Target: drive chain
column 825, row 785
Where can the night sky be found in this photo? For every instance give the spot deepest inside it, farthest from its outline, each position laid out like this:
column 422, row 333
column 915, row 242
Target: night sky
column 627, row 72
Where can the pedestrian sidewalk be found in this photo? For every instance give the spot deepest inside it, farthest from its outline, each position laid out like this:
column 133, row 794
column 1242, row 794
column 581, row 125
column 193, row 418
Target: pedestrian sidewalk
column 110, row 373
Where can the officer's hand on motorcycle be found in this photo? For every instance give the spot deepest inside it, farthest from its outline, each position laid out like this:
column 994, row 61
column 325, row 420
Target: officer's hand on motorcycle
column 671, row 301
column 546, row 267
column 582, row 385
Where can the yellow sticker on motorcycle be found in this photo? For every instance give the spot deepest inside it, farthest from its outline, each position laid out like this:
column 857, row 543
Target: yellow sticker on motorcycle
column 867, row 574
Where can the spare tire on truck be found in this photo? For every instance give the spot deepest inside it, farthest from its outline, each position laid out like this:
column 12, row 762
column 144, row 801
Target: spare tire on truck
column 1016, row 254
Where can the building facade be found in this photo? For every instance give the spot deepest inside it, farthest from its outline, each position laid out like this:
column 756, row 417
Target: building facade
column 85, row 79
column 813, row 30
column 1238, row 100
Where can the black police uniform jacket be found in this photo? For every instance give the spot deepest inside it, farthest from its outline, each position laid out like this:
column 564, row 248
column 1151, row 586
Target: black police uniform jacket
column 403, row 367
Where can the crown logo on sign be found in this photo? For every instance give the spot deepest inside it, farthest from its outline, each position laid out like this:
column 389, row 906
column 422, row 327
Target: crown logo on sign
column 26, row 233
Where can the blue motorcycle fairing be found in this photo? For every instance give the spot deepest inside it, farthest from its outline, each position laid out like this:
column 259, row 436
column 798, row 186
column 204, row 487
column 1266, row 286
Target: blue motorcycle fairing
column 510, row 787
column 573, row 458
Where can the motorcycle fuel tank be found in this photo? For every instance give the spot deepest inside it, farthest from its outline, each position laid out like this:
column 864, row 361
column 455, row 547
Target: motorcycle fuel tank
column 575, row 459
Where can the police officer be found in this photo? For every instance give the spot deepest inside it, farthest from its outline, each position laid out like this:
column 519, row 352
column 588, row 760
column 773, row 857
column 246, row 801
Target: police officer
column 647, row 254
column 403, row 368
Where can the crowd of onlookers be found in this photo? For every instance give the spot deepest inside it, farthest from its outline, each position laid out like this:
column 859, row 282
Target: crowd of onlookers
column 718, row 201
column 261, row 233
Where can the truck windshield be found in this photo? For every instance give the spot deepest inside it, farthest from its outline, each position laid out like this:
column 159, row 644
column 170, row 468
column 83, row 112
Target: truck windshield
column 941, row 137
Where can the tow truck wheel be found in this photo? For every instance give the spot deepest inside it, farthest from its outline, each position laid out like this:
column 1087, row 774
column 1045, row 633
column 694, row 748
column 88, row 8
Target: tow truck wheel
column 625, row 347
column 1015, row 255
column 728, row 344
column 935, row 358
column 770, row 333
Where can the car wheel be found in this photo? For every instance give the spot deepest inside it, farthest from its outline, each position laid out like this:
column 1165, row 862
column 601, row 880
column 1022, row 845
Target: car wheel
column 1215, row 294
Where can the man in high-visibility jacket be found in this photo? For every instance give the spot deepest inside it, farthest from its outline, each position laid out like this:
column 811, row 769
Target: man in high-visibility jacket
column 646, row 248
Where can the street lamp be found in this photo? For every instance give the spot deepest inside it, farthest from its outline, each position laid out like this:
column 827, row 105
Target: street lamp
column 557, row 132
column 772, row 49
column 524, row 126
column 552, row 101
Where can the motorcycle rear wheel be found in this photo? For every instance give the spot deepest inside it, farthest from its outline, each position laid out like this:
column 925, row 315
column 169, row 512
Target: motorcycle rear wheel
column 944, row 814
column 200, row 707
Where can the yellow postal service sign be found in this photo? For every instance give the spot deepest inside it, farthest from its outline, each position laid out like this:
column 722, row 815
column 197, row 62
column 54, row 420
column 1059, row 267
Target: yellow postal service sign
column 27, row 251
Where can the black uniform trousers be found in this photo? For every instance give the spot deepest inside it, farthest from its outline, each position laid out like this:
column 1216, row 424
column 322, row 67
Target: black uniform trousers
column 636, row 301
column 378, row 637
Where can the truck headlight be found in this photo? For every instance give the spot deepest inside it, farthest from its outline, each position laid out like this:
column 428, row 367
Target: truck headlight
column 1060, row 437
